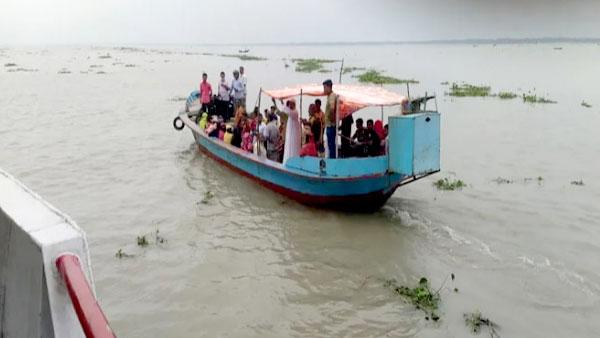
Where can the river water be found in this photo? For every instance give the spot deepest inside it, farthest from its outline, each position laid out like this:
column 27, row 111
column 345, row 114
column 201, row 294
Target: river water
column 93, row 135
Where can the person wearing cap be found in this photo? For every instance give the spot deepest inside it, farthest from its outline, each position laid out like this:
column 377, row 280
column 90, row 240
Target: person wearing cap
column 330, row 117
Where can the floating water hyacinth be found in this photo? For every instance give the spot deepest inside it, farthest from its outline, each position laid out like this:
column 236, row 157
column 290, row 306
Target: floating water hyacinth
column 242, row 57
column 507, row 95
column 310, row 65
column 465, row 89
column 447, row 184
column 373, row 76
column 142, row 241
column 352, row 69
column 421, row 296
column 532, row 98
column 475, row 321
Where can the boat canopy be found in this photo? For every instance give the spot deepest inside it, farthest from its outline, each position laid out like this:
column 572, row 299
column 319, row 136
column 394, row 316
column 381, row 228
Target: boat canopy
column 351, row 97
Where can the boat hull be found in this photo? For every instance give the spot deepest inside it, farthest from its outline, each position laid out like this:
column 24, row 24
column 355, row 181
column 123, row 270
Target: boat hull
column 367, row 202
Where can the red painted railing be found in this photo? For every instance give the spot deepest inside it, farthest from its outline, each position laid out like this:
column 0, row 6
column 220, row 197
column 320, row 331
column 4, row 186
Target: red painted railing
column 92, row 319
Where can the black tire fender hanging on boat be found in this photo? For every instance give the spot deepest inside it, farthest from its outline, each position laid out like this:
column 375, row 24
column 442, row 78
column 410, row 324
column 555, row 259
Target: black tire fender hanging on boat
column 176, row 125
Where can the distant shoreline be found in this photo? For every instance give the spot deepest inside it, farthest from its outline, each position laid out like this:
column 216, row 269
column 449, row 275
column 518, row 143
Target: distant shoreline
column 498, row 41
column 505, row 41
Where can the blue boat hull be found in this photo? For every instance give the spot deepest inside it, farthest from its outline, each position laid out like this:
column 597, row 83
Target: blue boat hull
column 349, row 184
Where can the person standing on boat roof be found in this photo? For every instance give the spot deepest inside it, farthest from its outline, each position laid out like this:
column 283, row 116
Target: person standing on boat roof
column 238, row 91
column 330, row 117
column 223, row 98
column 205, row 93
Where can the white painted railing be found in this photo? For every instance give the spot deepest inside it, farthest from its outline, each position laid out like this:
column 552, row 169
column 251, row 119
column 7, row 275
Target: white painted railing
column 34, row 298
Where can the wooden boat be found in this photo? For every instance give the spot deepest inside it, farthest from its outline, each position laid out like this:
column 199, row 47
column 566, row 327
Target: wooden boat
column 357, row 184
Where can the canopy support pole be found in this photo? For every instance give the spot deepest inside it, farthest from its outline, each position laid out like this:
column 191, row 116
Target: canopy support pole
column 258, row 141
column 259, row 96
column 337, row 122
column 382, row 114
column 341, row 69
column 300, row 103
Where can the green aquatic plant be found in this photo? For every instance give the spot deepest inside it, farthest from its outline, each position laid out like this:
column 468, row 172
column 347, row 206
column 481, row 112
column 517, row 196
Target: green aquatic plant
column 465, row 89
column 475, row 321
column 325, row 71
column 502, row 180
column 580, row 182
column 507, row 95
column 20, row 69
column 585, row 104
column 142, row 241
column 207, row 197
column 532, row 98
column 122, row 254
column 310, row 65
column 373, row 76
column 352, row 69
column 447, row 184
column 158, row 239
column 421, row 296
column 243, row 57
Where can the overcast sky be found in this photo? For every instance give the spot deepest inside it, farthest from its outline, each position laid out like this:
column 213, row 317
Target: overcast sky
column 275, row 21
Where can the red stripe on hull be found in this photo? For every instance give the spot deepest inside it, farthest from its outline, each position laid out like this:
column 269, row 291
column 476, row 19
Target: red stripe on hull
column 360, row 203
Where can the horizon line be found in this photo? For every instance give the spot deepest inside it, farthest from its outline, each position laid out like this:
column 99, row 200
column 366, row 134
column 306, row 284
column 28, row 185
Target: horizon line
column 505, row 40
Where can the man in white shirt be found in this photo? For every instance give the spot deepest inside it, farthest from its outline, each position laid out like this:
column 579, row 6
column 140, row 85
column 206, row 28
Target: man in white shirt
column 244, row 82
column 223, row 98
column 238, row 91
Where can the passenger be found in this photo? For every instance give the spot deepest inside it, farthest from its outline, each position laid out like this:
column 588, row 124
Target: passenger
column 212, row 128
column 254, row 118
column 247, row 137
column 318, row 127
column 292, row 143
column 238, row 128
column 330, row 117
column 223, row 98
column 378, row 127
column 271, row 135
column 310, row 148
column 346, row 130
column 238, row 91
column 373, row 140
column 203, row 121
column 359, row 139
column 244, row 83
column 222, row 130
column 205, row 93
column 282, row 118
column 228, row 135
